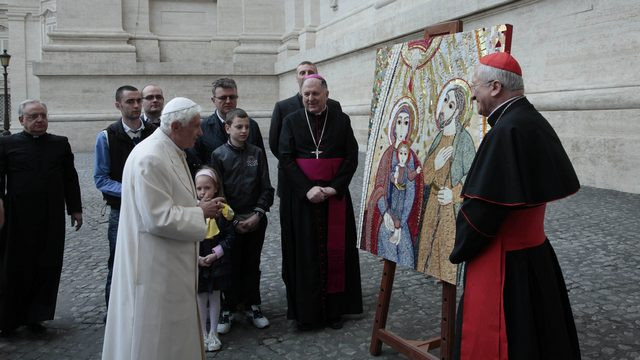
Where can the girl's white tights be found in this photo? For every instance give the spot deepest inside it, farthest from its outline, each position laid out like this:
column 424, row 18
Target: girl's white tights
column 213, row 299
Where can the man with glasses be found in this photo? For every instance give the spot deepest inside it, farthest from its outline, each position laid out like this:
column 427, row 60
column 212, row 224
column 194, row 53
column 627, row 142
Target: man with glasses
column 225, row 98
column 113, row 146
column 37, row 171
column 515, row 302
column 152, row 104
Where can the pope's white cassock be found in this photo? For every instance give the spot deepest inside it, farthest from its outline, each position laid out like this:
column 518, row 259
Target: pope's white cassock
column 153, row 312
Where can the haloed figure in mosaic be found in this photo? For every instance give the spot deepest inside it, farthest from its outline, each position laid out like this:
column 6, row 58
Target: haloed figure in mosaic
column 448, row 160
column 394, row 207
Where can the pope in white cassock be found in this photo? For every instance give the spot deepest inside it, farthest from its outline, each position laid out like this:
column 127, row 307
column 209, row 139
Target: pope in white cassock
column 153, row 312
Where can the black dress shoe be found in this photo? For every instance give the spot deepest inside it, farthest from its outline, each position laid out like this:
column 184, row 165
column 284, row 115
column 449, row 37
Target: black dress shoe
column 36, row 327
column 335, row 323
column 7, row 333
column 304, row 326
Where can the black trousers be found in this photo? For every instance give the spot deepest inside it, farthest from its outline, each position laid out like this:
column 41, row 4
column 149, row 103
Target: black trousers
column 245, row 269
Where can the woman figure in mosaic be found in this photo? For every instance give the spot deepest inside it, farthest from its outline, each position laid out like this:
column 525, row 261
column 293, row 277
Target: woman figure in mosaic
column 392, row 216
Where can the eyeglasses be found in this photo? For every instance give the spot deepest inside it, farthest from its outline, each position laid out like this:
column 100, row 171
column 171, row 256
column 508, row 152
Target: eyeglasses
column 154, row 97
column 475, row 86
column 226, row 97
column 32, row 117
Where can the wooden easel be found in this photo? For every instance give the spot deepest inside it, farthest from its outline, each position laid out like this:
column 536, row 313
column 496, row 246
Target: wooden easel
column 416, row 349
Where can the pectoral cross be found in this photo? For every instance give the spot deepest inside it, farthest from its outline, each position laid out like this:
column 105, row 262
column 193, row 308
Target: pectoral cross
column 317, row 152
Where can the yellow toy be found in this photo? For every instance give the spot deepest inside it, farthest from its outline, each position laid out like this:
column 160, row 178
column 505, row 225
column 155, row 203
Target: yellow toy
column 212, row 226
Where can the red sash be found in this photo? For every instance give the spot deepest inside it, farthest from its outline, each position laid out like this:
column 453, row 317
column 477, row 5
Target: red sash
column 483, row 323
column 325, row 170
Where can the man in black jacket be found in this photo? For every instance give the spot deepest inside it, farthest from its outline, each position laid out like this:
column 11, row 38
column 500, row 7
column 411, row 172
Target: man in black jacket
column 225, row 98
column 113, row 146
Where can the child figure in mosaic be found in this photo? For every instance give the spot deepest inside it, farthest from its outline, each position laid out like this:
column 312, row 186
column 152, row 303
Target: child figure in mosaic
column 394, row 238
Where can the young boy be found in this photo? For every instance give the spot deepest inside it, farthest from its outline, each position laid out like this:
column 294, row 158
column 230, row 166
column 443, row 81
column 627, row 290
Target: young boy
column 245, row 175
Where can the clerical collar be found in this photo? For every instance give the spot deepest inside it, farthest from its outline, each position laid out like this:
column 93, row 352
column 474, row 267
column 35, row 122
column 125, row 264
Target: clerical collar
column 497, row 113
column 31, row 135
column 318, row 114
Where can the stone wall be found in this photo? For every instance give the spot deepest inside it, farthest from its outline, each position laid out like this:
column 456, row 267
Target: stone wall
column 578, row 58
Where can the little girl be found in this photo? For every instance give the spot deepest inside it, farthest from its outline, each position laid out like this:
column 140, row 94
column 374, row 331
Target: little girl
column 214, row 260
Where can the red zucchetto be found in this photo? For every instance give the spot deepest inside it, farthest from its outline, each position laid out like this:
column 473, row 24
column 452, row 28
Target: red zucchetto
column 503, row 61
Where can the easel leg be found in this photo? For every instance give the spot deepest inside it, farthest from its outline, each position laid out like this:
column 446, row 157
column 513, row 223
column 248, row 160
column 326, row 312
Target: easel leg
column 384, row 298
column 448, row 320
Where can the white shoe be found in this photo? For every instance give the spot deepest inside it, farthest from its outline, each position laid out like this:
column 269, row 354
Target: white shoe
column 256, row 317
column 213, row 343
column 224, row 323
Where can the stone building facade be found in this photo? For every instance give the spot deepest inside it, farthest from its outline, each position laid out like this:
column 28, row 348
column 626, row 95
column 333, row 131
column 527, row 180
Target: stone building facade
column 579, row 58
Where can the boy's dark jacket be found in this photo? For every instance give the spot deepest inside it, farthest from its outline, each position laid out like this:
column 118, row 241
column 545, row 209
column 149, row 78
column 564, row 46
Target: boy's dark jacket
column 245, row 175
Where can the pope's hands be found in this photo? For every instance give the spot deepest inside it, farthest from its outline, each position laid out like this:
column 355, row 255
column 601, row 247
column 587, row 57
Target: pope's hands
column 212, row 207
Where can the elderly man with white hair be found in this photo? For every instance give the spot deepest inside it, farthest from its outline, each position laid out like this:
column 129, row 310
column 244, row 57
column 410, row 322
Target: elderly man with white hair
column 153, row 313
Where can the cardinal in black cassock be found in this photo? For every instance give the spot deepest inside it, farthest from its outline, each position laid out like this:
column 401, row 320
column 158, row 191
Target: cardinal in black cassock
column 320, row 263
column 515, row 303
column 37, row 179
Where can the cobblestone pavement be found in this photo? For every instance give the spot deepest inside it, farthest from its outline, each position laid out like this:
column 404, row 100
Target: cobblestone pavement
column 595, row 234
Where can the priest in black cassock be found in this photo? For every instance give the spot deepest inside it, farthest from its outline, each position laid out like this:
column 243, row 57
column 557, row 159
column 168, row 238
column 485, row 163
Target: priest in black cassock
column 38, row 179
column 515, row 303
column 319, row 155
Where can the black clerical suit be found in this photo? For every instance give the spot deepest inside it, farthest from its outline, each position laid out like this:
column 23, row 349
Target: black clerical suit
column 40, row 180
column 515, row 300
column 306, row 263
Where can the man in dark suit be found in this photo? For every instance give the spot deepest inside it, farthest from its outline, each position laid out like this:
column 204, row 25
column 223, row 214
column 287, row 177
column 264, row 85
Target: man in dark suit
column 152, row 104
column 225, row 98
column 288, row 106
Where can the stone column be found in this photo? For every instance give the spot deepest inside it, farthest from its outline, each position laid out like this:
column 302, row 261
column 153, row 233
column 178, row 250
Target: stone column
column 135, row 18
column 293, row 23
column 311, row 12
column 262, row 27
column 89, row 31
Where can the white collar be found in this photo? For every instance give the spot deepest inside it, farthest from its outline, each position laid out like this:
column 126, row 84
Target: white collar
column 130, row 130
column 219, row 117
column 499, row 106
